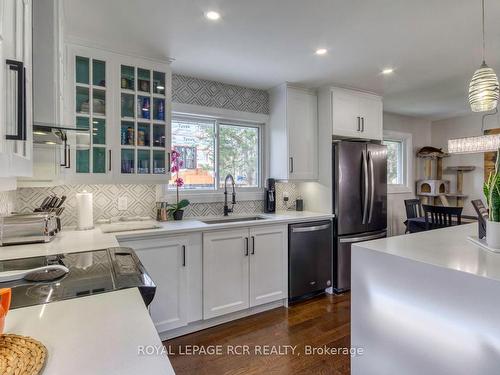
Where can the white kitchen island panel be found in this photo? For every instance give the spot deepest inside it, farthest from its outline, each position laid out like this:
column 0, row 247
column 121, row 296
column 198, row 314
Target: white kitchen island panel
column 434, row 312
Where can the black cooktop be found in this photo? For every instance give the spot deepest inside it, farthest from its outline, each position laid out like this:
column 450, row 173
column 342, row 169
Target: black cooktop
column 91, row 272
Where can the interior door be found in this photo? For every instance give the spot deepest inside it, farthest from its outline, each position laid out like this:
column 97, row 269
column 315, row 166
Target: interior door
column 377, row 170
column 351, row 179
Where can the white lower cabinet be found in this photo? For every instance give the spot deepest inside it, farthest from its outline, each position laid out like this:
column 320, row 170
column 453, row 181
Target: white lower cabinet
column 174, row 264
column 243, row 268
column 268, row 264
column 225, row 272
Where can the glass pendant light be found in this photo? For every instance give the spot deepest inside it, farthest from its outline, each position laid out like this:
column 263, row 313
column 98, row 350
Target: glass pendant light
column 483, row 88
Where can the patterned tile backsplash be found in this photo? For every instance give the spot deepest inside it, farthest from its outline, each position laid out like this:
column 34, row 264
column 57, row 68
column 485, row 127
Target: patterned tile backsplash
column 141, row 201
column 7, row 202
column 207, row 93
column 293, row 193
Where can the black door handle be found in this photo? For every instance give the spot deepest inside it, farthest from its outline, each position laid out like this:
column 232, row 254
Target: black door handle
column 18, row 67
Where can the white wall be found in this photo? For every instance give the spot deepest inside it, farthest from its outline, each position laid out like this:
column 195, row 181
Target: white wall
column 463, row 127
column 420, row 130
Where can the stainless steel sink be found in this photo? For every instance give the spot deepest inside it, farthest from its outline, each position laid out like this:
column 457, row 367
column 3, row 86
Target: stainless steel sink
column 232, row 220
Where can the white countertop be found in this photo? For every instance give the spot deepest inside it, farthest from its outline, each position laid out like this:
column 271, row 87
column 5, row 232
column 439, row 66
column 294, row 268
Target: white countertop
column 72, row 241
column 95, row 335
column 448, row 248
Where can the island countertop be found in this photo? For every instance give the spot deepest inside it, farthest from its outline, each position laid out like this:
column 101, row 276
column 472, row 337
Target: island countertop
column 448, row 248
column 100, row 334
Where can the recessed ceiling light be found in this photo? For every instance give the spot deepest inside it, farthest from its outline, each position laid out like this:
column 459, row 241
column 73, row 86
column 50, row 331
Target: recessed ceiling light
column 211, row 15
column 321, row 51
column 388, row 71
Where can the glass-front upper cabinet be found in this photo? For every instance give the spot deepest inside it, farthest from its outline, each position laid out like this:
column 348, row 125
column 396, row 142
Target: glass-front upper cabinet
column 91, row 110
column 143, row 121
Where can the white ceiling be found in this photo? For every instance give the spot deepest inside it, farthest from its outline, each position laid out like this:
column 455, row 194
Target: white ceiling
column 434, row 45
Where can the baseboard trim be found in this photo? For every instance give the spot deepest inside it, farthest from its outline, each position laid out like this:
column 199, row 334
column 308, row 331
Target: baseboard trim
column 204, row 324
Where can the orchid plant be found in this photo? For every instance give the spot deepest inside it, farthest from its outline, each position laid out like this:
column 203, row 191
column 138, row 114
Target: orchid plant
column 175, row 210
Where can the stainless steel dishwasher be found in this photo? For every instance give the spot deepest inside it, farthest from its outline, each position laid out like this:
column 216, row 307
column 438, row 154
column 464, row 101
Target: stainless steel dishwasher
column 309, row 259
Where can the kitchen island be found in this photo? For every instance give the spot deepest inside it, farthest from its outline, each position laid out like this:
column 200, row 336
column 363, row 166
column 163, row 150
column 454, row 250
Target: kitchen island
column 425, row 303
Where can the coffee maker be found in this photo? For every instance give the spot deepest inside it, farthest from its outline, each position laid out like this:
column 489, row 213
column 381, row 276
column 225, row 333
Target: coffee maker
column 270, row 195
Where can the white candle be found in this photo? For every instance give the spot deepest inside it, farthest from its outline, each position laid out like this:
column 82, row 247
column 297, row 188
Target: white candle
column 84, row 210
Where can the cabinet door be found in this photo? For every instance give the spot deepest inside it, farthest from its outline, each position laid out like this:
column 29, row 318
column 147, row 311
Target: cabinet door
column 345, row 113
column 302, row 123
column 16, row 46
column 165, row 261
column 268, row 264
column 370, row 109
column 225, row 272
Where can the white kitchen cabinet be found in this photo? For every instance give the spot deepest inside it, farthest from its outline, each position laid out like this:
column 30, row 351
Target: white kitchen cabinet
column 293, row 134
column 174, row 264
column 225, row 272
column 243, row 268
column 350, row 113
column 15, row 88
column 268, row 264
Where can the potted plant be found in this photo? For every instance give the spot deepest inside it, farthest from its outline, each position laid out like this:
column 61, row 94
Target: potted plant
column 492, row 193
column 177, row 210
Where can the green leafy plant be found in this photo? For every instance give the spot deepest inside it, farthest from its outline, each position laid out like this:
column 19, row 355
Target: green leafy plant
column 180, row 205
column 491, row 190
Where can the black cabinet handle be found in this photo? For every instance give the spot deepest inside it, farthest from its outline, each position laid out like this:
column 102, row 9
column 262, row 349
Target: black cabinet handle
column 253, row 245
column 246, row 246
column 18, row 67
column 69, row 157
column 291, row 164
column 169, row 161
column 183, row 255
column 109, row 152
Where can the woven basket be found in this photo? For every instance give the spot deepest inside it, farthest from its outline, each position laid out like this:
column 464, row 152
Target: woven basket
column 21, row 355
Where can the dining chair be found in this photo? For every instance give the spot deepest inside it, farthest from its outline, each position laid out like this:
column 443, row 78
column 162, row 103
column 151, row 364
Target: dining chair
column 441, row 216
column 413, row 210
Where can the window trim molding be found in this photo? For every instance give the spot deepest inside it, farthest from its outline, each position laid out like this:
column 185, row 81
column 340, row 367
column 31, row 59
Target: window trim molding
column 408, row 178
column 231, row 118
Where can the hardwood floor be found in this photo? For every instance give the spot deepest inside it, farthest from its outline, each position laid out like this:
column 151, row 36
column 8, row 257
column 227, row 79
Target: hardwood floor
column 323, row 321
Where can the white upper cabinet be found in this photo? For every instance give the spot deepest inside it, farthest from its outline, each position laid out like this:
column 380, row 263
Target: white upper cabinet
column 15, row 88
column 350, row 113
column 293, row 134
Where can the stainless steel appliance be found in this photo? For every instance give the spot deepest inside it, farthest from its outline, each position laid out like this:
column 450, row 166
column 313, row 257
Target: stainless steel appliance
column 28, row 228
column 90, row 272
column 270, row 206
column 359, row 201
column 309, row 259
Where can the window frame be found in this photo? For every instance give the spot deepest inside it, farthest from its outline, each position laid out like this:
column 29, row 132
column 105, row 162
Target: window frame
column 406, row 140
column 217, row 192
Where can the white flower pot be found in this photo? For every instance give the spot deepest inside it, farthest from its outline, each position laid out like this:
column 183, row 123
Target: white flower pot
column 493, row 234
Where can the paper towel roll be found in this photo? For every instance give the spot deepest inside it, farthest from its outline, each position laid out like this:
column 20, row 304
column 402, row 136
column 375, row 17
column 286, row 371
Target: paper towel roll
column 84, row 211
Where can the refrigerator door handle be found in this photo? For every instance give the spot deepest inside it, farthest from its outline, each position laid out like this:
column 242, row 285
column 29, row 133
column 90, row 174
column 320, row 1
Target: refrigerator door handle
column 363, row 238
column 372, row 187
column 365, row 184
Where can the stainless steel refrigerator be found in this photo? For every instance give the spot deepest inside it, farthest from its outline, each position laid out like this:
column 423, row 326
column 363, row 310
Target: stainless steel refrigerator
column 359, row 202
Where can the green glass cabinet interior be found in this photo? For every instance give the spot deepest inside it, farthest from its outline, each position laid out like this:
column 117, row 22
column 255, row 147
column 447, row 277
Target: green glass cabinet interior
column 143, row 121
column 90, row 115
